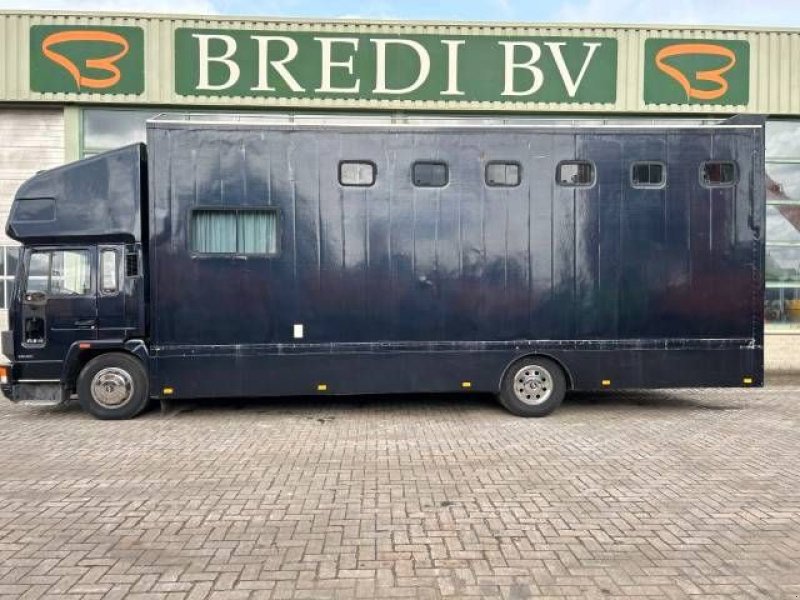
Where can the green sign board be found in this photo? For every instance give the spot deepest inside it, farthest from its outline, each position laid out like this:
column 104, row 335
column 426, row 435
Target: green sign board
column 79, row 59
column 380, row 66
column 680, row 71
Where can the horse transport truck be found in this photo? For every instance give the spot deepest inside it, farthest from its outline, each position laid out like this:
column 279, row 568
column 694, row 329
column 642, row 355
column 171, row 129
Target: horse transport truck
column 245, row 257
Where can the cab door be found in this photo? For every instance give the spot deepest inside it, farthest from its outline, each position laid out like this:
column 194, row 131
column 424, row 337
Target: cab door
column 58, row 307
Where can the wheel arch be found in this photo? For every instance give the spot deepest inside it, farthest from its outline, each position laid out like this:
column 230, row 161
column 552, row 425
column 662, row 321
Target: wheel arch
column 80, row 353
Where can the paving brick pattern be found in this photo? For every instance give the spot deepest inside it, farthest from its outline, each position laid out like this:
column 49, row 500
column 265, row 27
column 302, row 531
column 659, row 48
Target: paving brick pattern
column 673, row 494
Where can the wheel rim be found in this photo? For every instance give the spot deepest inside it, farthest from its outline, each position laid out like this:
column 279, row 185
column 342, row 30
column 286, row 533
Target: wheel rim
column 112, row 387
column 533, row 384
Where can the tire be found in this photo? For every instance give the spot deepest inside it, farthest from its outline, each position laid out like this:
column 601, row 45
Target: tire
column 113, row 386
column 533, row 386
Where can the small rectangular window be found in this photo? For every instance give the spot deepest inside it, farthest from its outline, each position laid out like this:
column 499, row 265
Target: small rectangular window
column 502, row 174
column 430, row 174
column 718, row 173
column 357, row 173
column 109, row 270
column 575, row 173
column 243, row 231
column 648, row 174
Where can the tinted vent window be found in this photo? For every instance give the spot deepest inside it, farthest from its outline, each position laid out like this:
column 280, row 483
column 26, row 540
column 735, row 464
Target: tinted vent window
column 132, row 264
column 247, row 231
column 35, row 209
column 575, row 173
column 503, row 174
column 357, row 173
column 430, row 174
column 648, row 174
column 718, row 173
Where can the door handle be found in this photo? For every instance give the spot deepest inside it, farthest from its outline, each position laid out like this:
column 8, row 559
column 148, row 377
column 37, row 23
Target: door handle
column 35, row 299
column 85, row 322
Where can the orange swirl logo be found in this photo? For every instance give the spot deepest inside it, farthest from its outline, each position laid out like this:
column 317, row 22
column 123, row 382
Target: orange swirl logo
column 106, row 64
column 710, row 75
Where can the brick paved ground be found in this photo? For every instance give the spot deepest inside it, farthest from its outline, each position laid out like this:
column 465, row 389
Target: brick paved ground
column 660, row 495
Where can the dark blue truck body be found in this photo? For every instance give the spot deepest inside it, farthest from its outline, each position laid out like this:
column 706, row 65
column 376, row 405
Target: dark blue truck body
column 394, row 287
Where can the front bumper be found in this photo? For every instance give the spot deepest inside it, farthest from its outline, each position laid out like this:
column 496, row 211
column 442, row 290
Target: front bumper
column 31, row 392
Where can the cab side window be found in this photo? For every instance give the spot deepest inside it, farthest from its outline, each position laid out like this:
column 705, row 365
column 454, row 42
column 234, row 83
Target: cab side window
column 38, row 272
column 60, row 273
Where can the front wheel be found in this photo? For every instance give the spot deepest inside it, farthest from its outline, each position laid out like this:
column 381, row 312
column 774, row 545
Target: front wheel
column 113, row 386
column 533, row 386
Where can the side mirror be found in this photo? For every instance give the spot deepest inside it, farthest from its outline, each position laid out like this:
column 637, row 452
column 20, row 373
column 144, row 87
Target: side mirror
column 35, row 298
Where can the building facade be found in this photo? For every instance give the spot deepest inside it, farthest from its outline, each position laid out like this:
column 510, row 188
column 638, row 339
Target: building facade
column 73, row 85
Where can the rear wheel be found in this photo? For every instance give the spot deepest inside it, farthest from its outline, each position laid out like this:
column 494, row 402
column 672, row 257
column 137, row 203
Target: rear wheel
column 113, row 386
column 533, row 386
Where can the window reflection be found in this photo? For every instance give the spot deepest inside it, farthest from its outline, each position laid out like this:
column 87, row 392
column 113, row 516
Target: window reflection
column 783, row 181
column 782, row 306
column 783, row 139
column 783, row 223
column 782, row 300
column 107, row 129
column 783, row 264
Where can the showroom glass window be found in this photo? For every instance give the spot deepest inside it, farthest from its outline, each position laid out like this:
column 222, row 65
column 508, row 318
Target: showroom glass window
column 8, row 270
column 782, row 304
column 106, row 129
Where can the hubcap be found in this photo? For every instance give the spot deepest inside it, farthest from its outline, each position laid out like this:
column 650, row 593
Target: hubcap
column 112, row 387
column 533, row 384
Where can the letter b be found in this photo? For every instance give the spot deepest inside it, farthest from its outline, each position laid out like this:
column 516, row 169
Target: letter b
column 511, row 67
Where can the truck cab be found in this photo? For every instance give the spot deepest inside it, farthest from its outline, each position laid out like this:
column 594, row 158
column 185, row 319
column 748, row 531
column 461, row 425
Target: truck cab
column 80, row 288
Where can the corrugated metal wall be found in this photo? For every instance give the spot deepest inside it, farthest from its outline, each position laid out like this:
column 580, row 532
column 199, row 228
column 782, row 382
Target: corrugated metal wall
column 774, row 54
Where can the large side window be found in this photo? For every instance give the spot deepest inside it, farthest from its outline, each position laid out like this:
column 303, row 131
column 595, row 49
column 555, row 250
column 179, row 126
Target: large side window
column 240, row 231
column 60, row 273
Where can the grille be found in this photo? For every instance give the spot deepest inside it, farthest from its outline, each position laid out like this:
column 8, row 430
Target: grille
column 132, row 264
